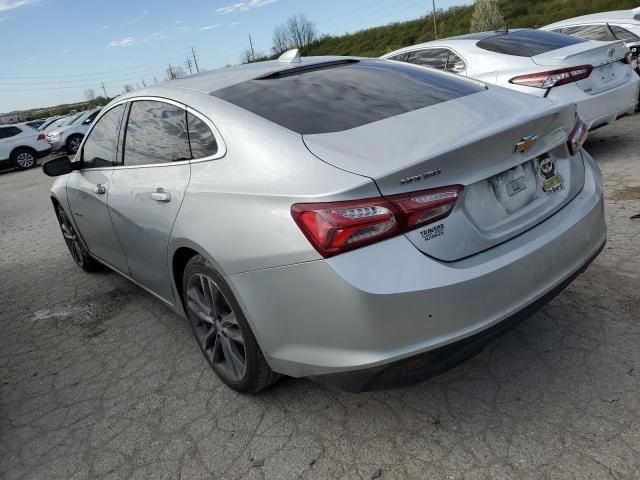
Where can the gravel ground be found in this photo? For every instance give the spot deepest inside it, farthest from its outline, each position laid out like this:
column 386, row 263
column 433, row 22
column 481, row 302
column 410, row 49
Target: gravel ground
column 99, row 380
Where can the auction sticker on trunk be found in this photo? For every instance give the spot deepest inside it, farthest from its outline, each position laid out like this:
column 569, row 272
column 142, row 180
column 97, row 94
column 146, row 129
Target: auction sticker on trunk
column 432, row 232
column 552, row 181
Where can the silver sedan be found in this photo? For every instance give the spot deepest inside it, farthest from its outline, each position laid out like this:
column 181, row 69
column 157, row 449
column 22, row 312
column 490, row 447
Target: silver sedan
column 362, row 222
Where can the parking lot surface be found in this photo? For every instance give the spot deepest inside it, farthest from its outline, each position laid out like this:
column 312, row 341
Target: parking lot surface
column 98, row 380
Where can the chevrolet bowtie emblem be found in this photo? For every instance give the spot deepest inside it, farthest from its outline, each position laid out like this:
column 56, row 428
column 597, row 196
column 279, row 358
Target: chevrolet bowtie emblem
column 525, row 144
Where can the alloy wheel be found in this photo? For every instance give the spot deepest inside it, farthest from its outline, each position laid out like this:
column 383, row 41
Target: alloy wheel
column 70, row 237
column 74, row 144
column 25, row 160
column 216, row 328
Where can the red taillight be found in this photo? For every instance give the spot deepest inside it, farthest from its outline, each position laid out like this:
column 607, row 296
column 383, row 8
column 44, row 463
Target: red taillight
column 577, row 137
column 41, row 136
column 628, row 57
column 337, row 227
column 553, row 78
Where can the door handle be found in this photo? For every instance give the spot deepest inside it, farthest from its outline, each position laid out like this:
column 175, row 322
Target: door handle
column 161, row 196
column 99, row 189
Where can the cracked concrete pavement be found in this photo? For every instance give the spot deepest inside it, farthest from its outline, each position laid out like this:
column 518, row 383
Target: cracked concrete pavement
column 100, row 381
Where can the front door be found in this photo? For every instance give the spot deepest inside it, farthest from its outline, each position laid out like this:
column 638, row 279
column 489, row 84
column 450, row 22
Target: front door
column 145, row 194
column 88, row 190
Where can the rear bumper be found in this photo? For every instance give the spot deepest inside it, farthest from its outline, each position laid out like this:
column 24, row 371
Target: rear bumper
column 426, row 365
column 603, row 108
column 388, row 302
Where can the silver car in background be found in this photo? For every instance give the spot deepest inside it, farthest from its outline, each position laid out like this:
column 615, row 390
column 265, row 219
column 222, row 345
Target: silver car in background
column 621, row 25
column 362, row 222
column 597, row 76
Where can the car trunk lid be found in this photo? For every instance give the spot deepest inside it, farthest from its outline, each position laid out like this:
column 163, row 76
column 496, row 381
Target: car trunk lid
column 495, row 143
column 606, row 58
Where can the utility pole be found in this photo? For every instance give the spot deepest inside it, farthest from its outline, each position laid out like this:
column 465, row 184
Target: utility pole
column 195, row 59
column 435, row 20
column 253, row 55
column 188, row 64
column 104, row 90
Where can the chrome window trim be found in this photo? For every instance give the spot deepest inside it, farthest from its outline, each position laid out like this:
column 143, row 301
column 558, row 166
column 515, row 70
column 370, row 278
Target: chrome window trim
column 222, row 147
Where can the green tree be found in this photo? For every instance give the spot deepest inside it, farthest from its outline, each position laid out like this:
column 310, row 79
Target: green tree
column 486, row 16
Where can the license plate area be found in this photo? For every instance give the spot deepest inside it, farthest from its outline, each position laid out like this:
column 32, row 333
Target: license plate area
column 517, row 187
column 605, row 72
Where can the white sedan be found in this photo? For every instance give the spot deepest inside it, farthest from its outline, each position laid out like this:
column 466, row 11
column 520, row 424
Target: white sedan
column 597, row 76
column 604, row 26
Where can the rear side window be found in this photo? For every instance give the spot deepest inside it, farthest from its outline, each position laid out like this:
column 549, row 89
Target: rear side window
column 333, row 97
column 402, row 57
column 8, row 132
column 527, row 43
column 623, row 34
column 589, row 32
column 203, row 143
column 431, row 57
column 156, row 133
column 101, row 146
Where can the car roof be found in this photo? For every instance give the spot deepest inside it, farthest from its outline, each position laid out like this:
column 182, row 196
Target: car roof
column 623, row 16
column 229, row 76
column 460, row 41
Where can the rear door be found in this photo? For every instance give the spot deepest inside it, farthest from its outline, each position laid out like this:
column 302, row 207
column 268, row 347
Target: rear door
column 8, row 141
column 88, row 189
column 147, row 190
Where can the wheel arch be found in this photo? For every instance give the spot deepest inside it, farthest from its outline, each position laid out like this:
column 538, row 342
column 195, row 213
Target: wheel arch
column 22, row 147
column 182, row 252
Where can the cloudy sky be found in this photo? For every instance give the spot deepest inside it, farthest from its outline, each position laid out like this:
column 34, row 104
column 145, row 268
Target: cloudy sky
column 53, row 50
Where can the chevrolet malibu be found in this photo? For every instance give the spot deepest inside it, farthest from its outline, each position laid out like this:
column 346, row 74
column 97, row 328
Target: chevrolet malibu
column 361, row 222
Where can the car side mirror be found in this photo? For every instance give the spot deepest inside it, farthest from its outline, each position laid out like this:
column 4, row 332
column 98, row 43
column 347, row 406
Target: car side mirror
column 58, row 166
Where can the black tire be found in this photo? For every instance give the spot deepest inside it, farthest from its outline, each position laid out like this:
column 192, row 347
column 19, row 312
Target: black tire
column 73, row 143
column 24, row 158
column 76, row 248
column 211, row 339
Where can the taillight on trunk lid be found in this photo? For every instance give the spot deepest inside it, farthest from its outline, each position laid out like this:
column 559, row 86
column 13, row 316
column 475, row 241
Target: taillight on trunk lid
column 553, row 78
column 577, row 137
column 337, row 227
column 41, row 137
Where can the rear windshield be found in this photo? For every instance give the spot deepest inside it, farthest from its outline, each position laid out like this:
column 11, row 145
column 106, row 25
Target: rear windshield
column 527, row 43
column 342, row 95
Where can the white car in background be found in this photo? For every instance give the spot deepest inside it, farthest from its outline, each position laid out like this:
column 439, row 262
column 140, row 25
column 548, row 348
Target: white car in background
column 606, row 26
column 69, row 137
column 21, row 146
column 597, row 76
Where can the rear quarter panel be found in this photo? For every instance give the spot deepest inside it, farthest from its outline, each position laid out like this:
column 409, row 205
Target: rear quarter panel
column 236, row 210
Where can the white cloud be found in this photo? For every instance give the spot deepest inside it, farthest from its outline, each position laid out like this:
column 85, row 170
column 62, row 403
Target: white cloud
column 154, row 36
column 104, row 27
column 123, row 42
column 11, row 4
column 244, row 6
column 233, row 24
column 208, row 27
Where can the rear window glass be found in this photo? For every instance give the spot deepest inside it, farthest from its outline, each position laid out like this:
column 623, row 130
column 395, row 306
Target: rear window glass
column 337, row 97
column 527, row 43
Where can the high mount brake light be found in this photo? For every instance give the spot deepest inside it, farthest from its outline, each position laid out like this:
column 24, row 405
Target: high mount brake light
column 336, row 227
column 577, row 137
column 553, row 78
